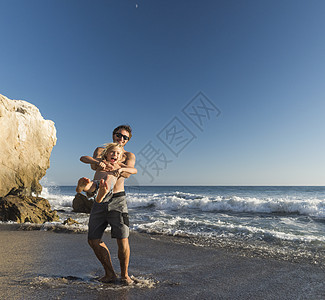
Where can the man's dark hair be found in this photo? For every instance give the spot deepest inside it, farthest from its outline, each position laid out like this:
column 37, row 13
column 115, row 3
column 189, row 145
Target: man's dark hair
column 125, row 127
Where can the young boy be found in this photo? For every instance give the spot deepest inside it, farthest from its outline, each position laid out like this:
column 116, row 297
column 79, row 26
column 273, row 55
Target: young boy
column 108, row 170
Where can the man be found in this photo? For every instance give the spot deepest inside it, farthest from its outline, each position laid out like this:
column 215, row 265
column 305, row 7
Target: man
column 113, row 209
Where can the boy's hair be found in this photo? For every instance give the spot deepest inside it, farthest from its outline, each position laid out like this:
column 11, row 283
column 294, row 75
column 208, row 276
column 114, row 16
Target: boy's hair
column 125, row 127
column 109, row 147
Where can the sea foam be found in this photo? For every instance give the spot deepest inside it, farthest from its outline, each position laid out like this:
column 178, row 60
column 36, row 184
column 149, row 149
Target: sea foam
column 179, row 201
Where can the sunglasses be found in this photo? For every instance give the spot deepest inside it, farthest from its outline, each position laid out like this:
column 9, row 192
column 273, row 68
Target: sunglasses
column 119, row 135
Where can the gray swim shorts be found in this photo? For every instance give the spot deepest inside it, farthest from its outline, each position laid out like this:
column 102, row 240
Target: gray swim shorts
column 101, row 217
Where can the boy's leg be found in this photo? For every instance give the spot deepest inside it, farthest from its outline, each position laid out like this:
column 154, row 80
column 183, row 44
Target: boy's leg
column 111, row 180
column 86, row 185
column 105, row 186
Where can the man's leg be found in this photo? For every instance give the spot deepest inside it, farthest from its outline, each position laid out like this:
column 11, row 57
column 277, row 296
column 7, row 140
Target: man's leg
column 124, row 257
column 104, row 257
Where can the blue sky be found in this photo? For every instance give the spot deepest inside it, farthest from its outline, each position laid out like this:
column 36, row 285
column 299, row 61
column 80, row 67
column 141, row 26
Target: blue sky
column 92, row 65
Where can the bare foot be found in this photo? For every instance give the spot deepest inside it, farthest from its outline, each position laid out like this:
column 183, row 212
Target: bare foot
column 82, row 183
column 108, row 279
column 102, row 191
column 127, row 280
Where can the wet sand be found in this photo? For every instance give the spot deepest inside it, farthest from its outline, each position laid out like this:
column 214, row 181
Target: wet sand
column 48, row 265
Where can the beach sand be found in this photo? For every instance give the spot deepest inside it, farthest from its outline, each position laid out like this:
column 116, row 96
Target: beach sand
column 48, row 265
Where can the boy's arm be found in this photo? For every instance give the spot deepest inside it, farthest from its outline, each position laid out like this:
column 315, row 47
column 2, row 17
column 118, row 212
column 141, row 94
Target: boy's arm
column 96, row 155
column 129, row 164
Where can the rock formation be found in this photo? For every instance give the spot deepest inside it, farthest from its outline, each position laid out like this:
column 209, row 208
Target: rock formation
column 26, row 142
column 70, row 221
column 82, row 204
column 23, row 209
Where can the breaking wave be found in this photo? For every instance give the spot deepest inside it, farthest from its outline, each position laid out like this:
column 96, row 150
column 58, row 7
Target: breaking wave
column 179, row 201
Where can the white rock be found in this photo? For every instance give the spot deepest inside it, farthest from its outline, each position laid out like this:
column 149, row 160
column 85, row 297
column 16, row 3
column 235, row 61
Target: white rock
column 26, row 142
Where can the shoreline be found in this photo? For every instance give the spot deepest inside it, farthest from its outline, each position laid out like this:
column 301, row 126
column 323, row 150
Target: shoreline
column 62, row 266
column 258, row 249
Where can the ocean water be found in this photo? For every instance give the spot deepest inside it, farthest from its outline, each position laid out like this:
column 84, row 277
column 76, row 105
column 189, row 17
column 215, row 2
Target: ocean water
column 278, row 221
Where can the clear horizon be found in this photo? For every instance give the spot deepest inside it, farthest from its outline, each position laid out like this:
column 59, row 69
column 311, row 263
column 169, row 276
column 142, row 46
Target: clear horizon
column 226, row 93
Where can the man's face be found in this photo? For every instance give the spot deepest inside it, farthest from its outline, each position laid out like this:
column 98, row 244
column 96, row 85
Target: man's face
column 121, row 137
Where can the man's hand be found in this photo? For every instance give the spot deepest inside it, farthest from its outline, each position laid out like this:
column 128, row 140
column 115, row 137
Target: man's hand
column 122, row 165
column 115, row 172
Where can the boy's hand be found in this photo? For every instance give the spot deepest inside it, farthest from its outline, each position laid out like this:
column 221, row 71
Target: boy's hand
column 102, row 165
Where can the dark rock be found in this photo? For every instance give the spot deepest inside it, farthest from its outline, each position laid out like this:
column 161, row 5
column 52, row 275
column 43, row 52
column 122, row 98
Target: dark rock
column 82, row 204
column 23, row 209
column 70, row 221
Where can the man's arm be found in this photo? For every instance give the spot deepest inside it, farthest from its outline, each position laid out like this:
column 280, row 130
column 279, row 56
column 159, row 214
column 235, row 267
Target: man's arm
column 130, row 171
column 129, row 163
column 98, row 163
column 97, row 155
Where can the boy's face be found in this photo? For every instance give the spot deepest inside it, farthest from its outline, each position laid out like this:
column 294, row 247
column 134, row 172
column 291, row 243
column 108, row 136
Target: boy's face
column 114, row 155
column 121, row 137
